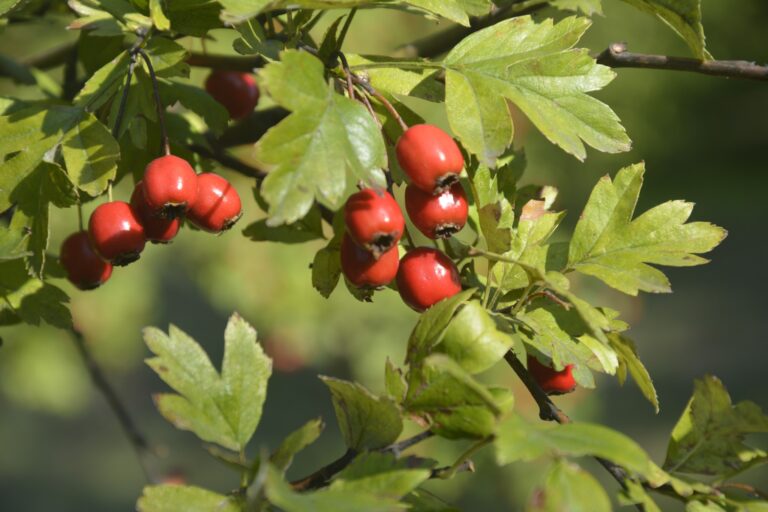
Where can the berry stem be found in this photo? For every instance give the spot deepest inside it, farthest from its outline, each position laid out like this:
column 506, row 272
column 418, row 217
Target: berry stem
column 80, row 216
column 387, row 104
column 124, row 97
column 109, row 191
column 345, row 29
column 158, row 104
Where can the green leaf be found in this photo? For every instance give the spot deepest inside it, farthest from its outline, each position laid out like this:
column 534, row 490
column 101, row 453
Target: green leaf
column 682, row 16
column 193, row 17
column 7, row 6
column 326, row 270
column 534, row 66
column 518, row 440
column 367, row 422
column 174, row 498
column 394, row 81
column 431, row 325
column 224, row 410
column 588, row 7
column 568, row 488
column 322, row 149
column 608, row 244
column 635, row 494
column 455, row 404
column 382, row 474
column 34, row 129
column 280, row 494
column 295, row 442
column 104, row 83
column 31, row 299
column 454, row 10
column 168, row 57
column 159, row 18
column 198, row 101
column 13, row 238
column 254, row 41
column 708, row 438
column 237, row 11
column 395, row 382
column 90, row 154
column 472, row 340
column 630, row 362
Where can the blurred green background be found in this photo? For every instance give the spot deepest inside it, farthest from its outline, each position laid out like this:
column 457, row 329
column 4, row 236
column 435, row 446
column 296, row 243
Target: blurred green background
column 703, row 139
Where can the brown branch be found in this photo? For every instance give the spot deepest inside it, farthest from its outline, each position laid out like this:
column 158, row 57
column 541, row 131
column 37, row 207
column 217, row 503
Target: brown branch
column 227, row 62
column 548, row 411
column 135, row 438
column 746, row 488
column 229, row 161
column 617, row 56
column 321, row 477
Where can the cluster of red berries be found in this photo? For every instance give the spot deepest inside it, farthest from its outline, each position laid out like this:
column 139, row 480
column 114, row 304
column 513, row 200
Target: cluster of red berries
column 437, row 206
column 118, row 231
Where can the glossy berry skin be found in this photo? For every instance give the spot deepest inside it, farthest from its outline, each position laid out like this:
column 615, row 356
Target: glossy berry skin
column 437, row 216
column 365, row 271
column 430, row 157
column 169, row 185
column 217, row 207
column 158, row 230
column 374, row 220
column 427, row 276
column 553, row 382
column 237, row 91
column 116, row 233
column 85, row 269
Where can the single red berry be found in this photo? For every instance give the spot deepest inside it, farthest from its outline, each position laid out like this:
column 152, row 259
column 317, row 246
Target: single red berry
column 237, row 91
column 116, row 233
column 363, row 270
column 374, row 220
column 437, row 216
column 553, row 382
column 430, row 157
column 217, row 207
column 85, row 269
column 426, row 277
column 159, row 230
column 170, row 185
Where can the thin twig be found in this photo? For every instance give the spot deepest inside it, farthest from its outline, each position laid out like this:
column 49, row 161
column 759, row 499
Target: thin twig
column 124, row 97
column 345, row 28
column 229, row 162
column 158, row 103
column 399, row 447
column 138, row 441
column 746, row 488
column 617, row 56
column 321, row 477
column 548, row 411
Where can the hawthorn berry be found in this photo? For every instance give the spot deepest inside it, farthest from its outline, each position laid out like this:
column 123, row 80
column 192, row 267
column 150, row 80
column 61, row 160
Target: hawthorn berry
column 169, row 185
column 553, row 382
column 85, row 269
column 217, row 207
column 430, row 157
column 374, row 220
column 437, row 216
column 363, row 270
column 159, row 230
column 427, row 276
column 116, row 233
column 236, row 91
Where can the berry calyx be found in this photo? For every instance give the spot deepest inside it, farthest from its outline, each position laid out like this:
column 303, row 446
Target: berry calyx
column 553, row 382
column 236, row 91
column 430, row 157
column 169, row 185
column 374, row 220
column 365, row 271
column 116, row 233
column 437, row 216
column 427, row 276
column 85, row 269
column 217, row 207
column 158, row 230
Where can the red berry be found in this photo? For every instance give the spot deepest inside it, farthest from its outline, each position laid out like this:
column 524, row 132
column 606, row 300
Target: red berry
column 430, row 157
column 363, row 270
column 437, row 216
column 237, row 91
column 116, row 233
column 217, row 207
column 426, row 277
column 374, row 220
column 553, row 382
column 85, row 269
column 170, row 185
column 160, row 230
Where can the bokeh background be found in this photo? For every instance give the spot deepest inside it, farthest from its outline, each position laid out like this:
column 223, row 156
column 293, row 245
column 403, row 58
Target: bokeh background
column 703, row 139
